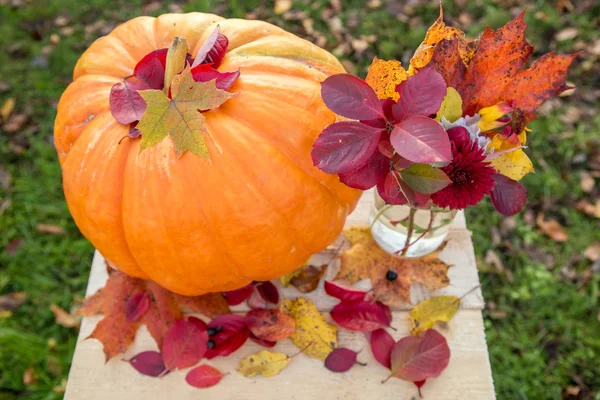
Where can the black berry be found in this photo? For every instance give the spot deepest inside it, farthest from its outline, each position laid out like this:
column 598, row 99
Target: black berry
column 391, row 275
column 211, row 331
column 210, row 344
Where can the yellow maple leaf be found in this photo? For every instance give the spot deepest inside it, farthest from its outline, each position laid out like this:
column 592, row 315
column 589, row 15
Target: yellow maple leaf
column 384, row 76
column 264, row 362
column 313, row 335
column 513, row 164
column 366, row 260
column 451, row 108
column 435, row 34
column 428, row 312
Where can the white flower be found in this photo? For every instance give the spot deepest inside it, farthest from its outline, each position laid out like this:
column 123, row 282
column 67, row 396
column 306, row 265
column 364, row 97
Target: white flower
column 470, row 124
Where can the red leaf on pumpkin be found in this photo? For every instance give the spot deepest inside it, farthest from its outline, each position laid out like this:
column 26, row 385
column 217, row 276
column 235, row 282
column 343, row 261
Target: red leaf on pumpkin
column 345, row 146
column 151, row 68
column 204, row 376
column 136, row 306
column 362, row 316
column 212, row 50
column 185, row 343
column 231, row 334
column 271, row 325
column 268, row 291
column 340, row 360
column 345, row 294
column 417, row 358
column 421, row 140
column 389, row 190
column 421, row 94
column 367, row 176
column 382, row 344
column 265, row 343
column 126, row 104
column 508, row 196
column 148, row 363
column 206, row 72
column 351, row 97
column 235, row 297
column 499, row 57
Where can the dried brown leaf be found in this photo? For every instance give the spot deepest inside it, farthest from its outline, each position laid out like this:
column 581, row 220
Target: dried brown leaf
column 552, row 228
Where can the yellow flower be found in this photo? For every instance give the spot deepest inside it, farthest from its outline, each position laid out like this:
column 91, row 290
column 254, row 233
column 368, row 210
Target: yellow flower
column 494, row 117
column 508, row 157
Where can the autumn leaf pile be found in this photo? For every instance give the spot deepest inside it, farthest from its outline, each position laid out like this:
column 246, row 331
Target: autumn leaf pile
column 449, row 130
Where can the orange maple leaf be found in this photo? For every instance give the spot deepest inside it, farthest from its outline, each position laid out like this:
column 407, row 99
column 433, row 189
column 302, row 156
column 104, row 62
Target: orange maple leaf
column 116, row 332
column 366, row 260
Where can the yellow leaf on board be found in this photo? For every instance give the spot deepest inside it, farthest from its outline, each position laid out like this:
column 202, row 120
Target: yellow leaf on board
column 451, row 107
column 428, row 312
column 313, row 335
column 384, row 76
column 264, row 362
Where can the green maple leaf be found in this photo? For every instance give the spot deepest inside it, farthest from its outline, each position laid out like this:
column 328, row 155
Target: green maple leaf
column 180, row 116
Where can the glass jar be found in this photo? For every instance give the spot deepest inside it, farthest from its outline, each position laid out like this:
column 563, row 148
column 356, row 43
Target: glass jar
column 408, row 231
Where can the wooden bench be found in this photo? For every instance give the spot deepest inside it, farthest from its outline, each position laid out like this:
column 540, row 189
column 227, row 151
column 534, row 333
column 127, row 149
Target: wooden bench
column 468, row 376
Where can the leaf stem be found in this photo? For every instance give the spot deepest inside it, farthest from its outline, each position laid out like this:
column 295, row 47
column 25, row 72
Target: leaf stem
column 411, row 227
column 176, row 57
column 431, row 218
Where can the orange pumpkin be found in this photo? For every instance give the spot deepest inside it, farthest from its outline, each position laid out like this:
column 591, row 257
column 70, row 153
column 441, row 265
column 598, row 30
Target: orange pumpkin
column 255, row 211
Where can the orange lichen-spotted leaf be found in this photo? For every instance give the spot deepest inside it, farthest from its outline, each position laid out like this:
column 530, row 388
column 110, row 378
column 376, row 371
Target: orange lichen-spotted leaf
column 384, row 76
column 543, row 80
column 447, row 61
column 365, row 259
column 211, row 304
column 435, row 34
column 500, row 56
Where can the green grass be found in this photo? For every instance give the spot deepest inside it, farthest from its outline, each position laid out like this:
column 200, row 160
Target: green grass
column 543, row 333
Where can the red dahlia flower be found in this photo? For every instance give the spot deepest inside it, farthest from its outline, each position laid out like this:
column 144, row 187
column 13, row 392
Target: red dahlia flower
column 471, row 175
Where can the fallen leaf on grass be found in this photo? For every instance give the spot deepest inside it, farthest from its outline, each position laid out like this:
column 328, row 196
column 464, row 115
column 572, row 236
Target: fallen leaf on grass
column 7, row 108
column 592, row 253
column 5, row 178
column 50, row 229
column 341, row 360
column 270, row 325
column 63, row 318
column 282, row 6
column 12, row 301
column 365, row 259
column 313, row 334
column 593, row 210
column 185, row 343
column 264, row 362
column 148, row 363
column 30, row 377
column 204, row 376
column 587, row 182
column 552, row 228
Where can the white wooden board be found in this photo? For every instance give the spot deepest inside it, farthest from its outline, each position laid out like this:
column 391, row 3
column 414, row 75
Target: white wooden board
column 467, row 377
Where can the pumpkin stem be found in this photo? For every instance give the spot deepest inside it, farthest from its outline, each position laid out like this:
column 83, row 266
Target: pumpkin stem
column 176, row 57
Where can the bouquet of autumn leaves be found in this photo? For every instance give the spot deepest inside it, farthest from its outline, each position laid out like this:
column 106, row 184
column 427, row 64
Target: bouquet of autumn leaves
column 449, row 130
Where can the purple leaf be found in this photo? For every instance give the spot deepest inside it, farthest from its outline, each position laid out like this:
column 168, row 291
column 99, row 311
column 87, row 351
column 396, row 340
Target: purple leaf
column 421, row 140
column 268, row 291
column 351, row 97
column 508, row 196
column 363, row 316
column 382, row 344
column 421, row 94
column 340, row 360
column 137, row 305
column 237, row 296
column 367, row 176
column 148, row 363
column 205, row 73
column 345, row 146
column 126, row 104
column 389, row 190
column 151, row 69
column 213, row 50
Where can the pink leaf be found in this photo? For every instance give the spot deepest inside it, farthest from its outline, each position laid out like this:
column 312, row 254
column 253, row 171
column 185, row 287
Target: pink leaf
column 256, row 301
column 345, row 294
column 206, row 72
column 213, row 49
column 421, row 140
column 231, row 334
column 151, row 69
column 204, row 376
column 508, row 196
column 351, row 97
column 265, row 343
column 185, row 343
column 268, row 291
column 367, row 176
column 421, row 94
column 389, row 190
column 417, row 358
column 344, row 146
column 363, row 316
column 126, row 104
column 381, row 346
column 148, row 363
column 340, row 360
column 136, row 306
column 235, row 297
